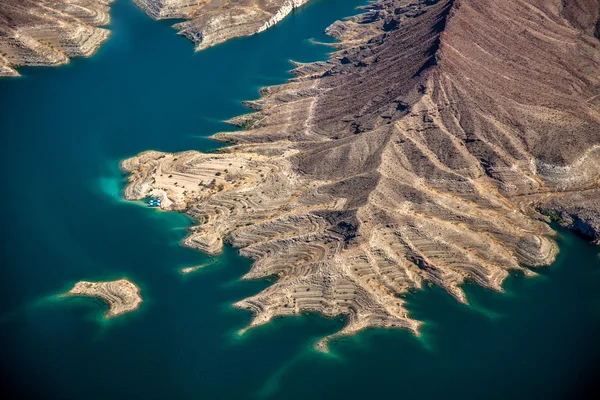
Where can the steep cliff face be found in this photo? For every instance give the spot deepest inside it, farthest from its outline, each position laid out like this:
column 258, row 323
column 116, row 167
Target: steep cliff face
column 210, row 22
column 50, row 32
column 419, row 152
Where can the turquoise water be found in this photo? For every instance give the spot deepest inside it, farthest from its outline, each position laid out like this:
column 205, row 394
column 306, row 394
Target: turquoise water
column 63, row 131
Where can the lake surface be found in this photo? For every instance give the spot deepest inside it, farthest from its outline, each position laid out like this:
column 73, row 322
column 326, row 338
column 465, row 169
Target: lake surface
column 64, row 130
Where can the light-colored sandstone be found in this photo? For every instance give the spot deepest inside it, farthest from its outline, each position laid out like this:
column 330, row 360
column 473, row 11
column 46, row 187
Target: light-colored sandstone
column 210, row 22
column 50, row 33
column 122, row 296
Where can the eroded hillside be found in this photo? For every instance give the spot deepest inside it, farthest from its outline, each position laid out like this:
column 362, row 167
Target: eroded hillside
column 418, row 153
column 50, row 32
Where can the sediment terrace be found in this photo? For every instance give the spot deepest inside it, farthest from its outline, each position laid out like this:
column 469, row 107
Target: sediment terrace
column 122, row 296
column 210, row 22
column 421, row 151
column 50, row 32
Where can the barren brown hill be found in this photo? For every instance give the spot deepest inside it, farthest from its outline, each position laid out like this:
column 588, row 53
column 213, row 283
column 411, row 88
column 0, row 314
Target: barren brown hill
column 210, row 22
column 50, row 32
column 418, row 153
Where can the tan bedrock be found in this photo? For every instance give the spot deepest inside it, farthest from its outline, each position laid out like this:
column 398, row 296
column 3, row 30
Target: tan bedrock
column 122, row 296
column 210, row 22
column 420, row 153
column 50, row 32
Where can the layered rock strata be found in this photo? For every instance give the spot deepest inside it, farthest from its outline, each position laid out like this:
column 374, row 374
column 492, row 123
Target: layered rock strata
column 210, row 22
column 122, row 296
column 418, row 153
column 50, row 32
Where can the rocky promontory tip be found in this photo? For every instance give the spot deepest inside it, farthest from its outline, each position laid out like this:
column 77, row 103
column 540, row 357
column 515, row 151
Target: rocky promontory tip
column 122, row 296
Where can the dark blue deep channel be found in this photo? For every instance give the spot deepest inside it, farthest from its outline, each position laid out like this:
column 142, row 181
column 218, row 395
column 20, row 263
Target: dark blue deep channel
column 62, row 133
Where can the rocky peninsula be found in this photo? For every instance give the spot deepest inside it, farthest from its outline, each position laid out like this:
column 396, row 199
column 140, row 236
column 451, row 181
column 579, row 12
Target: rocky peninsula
column 122, row 296
column 210, row 22
column 50, row 33
column 421, row 152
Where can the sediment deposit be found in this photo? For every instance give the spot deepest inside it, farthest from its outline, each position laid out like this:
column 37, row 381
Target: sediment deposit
column 210, row 22
column 122, row 296
column 50, row 32
column 420, row 152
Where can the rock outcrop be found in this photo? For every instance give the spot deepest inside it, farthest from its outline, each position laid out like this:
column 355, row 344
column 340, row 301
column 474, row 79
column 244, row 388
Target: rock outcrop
column 122, row 296
column 579, row 211
column 419, row 152
column 50, row 32
column 210, row 22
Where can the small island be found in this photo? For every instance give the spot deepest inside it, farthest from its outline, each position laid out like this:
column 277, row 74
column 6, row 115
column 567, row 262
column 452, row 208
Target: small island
column 122, row 296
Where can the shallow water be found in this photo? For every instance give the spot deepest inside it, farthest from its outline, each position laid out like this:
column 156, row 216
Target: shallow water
column 63, row 131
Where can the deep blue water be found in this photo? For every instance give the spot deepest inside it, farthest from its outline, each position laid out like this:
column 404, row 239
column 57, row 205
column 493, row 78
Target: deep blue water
column 64, row 130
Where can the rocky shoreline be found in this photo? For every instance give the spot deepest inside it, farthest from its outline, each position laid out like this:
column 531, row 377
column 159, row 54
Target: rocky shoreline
column 211, row 22
column 50, row 33
column 421, row 152
column 122, row 296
